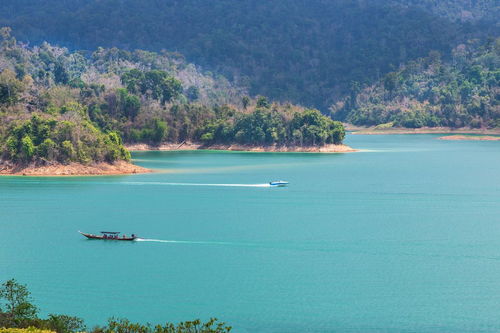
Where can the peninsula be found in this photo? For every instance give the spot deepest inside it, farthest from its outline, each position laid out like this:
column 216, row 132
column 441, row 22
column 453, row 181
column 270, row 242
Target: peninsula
column 64, row 114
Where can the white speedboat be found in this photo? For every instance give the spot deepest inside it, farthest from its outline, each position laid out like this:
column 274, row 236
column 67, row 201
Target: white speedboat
column 278, row 183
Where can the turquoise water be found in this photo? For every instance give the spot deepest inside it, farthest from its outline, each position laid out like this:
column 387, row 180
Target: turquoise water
column 402, row 237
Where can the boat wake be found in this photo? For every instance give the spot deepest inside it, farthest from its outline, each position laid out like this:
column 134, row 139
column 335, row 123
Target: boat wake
column 195, row 184
column 190, row 242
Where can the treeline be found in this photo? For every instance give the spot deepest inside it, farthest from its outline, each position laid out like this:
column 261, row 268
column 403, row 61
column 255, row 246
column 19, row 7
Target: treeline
column 266, row 126
column 463, row 91
column 307, row 52
column 18, row 314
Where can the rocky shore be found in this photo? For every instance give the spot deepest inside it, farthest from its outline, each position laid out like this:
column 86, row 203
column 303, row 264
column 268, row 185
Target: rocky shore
column 237, row 147
column 71, row 169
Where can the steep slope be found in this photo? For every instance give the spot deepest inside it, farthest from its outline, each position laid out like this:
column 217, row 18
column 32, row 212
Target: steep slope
column 463, row 91
column 308, row 52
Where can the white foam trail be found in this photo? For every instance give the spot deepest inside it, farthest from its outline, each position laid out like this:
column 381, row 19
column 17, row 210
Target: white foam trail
column 188, row 242
column 196, row 184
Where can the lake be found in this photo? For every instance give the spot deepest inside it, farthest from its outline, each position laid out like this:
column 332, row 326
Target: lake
column 403, row 236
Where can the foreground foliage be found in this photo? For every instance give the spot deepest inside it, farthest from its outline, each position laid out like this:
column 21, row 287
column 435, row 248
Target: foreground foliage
column 19, row 315
column 24, row 330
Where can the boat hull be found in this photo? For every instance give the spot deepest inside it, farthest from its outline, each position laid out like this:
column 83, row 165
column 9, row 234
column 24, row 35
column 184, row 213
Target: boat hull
column 90, row 236
column 279, row 184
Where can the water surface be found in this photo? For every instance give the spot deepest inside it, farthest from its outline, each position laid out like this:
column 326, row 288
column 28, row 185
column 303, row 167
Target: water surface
column 403, row 236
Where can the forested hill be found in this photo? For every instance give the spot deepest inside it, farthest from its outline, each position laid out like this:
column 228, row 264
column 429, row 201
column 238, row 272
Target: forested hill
column 462, row 91
column 309, row 52
column 461, row 10
column 64, row 106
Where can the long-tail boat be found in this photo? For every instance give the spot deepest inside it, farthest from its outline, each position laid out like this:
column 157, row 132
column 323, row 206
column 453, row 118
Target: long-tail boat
column 110, row 235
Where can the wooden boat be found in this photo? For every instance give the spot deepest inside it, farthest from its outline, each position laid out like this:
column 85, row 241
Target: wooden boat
column 110, row 235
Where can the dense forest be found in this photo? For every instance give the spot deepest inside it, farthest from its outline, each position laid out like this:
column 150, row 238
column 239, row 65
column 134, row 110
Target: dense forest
column 459, row 10
column 18, row 314
column 463, row 91
column 65, row 106
column 308, row 52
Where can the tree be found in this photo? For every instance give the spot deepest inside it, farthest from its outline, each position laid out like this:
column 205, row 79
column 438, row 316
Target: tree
column 391, row 81
column 171, row 88
column 262, row 102
column 65, row 324
column 151, row 84
column 160, row 131
column 7, row 39
column 245, row 101
column 132, row 80
column 47, row 149
column 129, row 105
column 27, row 148
column 16, row 300
column 193, row 93
column 476, row 74
column 60, row 74
column 195, row 326
column 67, row 151
column 10, row 87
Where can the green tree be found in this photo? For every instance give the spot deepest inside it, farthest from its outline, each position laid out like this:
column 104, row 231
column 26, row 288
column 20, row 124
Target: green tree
column 391, row 81
column 68, row 152
column 12, row 147
column 10, row 87
column 245, row 101
column 27, row 149
column 193, row 93
column 129, row 105
column 47, row 149
column 195, row 326
column 132, row 79
column 263, row 102
column 65, row 324
column 15, row 302
column 60, row 74
column 160, row 131
column 171, row 88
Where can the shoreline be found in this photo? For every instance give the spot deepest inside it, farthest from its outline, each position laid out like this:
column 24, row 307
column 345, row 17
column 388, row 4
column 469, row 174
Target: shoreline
column 469, row 138
column 243, row 148
column 73, row 169
column 360, row 130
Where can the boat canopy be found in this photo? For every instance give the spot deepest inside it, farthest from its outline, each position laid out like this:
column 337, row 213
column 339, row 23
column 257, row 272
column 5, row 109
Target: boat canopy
column 110, row 232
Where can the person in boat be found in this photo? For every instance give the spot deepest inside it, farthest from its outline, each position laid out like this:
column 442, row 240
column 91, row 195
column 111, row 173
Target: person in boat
column 105, row 236
column 133, row 235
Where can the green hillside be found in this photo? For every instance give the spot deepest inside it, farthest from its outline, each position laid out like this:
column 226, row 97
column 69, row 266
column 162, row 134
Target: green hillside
column 57, row 105
column 307, row 52
column 463, row 91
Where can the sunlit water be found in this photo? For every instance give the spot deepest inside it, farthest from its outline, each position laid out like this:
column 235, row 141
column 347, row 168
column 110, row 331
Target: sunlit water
column 403, row 236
